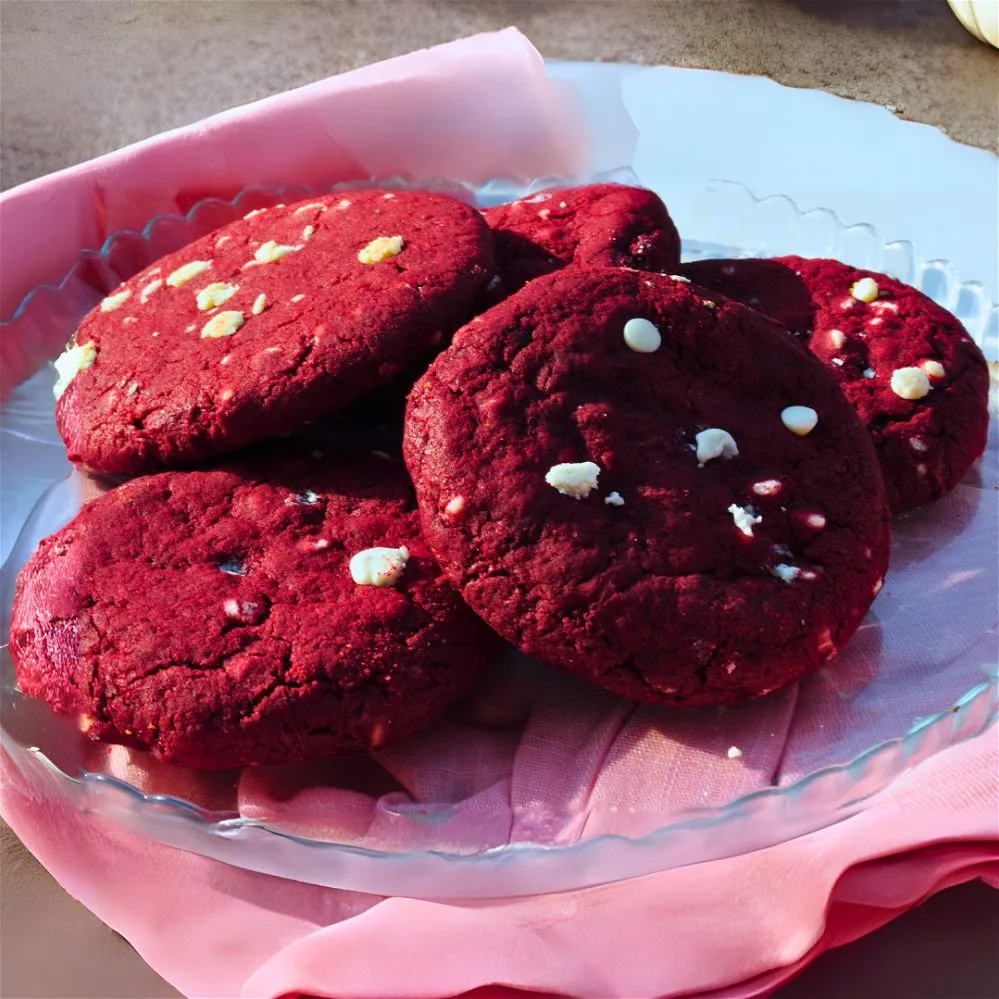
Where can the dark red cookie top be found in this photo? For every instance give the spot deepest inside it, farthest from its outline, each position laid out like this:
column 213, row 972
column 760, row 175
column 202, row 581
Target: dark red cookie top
column 768, row 286
column 918, row 381
column 688, row 574
column 213, row 616
column 273, row 321
column 597, row 224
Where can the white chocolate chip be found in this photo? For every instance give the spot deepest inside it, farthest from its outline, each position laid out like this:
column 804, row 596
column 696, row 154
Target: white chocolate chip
column 910, row 383
column 836, row 338
column 878, row 584
column 734, row 752
column 786, row 573
column 297, row 298
column 865, row 290
column 214, row 295
column 800, row 420
column 271, row 252
column 745, row 518
column 614, row 499
column 388, row 197
column 642, row 336
column 876, row 321
column 715, row 443
column 308, row 232
column 676, row 277
column 129, row 320
column 221, row 241
column 767, row 487
column 259, row 304
column 150, row 290
column 573, row 478
column 380, row 249
column 544, row 213
column 311, row 205
column 455, row 506
column 918, row 444
column 886, row 306
column 254, row 213
column 933, row 369
column 188, row 272
column 922, row 469
column 222, row 325
column 70, row 363
column 562, row 204
column 379, row 566
column 869, row 373
column 816, row 521
column 343, row 204
column 113, row 302
column 838, row 361
column 321, row 544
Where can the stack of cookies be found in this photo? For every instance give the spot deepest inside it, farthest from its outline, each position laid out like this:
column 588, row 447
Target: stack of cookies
column 673, row 481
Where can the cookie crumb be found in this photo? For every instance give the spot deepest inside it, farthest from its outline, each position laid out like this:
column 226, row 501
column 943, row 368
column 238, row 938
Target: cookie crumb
column 734, row 752
column 379, row 566
column 573, row 478
column 715, row 443
column 188, row 273
column 910, row 383
column 222, row 325
column 113, row 302
column 642, row 336
column 380, row 249
column 800, row 420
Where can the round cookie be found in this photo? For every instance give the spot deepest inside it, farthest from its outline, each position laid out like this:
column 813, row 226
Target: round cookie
column 597, row 224
column 266, row 324
column 214, row 617
column 909, row 368
column 619, row 476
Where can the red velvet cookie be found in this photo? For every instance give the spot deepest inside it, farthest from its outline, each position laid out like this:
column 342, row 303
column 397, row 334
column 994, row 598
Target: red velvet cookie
column 662, row 494
column 909, row 368
column 598, row 224
column 269, row 323
column 239, row 616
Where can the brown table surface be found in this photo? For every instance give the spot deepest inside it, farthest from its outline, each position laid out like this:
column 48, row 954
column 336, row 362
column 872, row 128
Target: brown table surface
column 81, row 78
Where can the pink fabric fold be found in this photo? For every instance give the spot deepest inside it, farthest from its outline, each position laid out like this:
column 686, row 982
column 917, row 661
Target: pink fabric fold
column 733, row 928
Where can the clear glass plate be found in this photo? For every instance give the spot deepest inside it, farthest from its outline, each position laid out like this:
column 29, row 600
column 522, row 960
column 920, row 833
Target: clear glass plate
column 638, row 789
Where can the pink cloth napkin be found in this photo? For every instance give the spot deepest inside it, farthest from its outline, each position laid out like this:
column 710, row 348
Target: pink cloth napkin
column 732, row 928
column 538, row 757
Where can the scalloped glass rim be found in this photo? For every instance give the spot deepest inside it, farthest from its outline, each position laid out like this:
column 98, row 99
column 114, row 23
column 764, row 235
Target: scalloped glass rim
column 731, row 212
